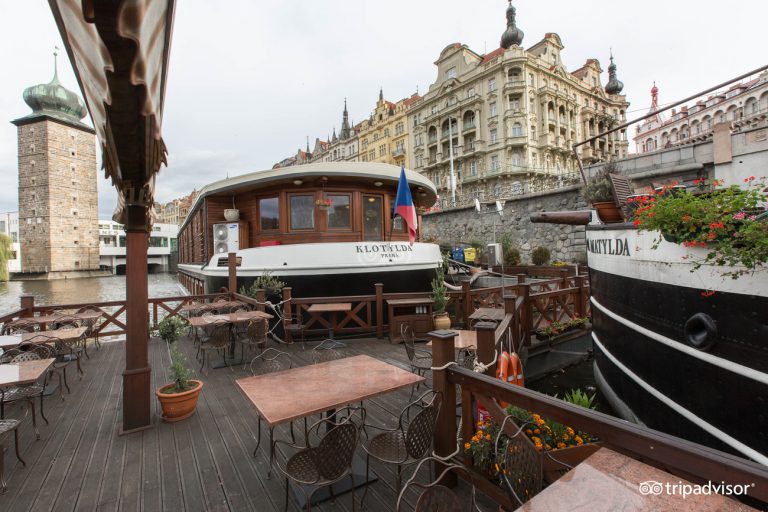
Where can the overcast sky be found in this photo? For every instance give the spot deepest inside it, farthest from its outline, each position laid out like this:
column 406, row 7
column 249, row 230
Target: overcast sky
column 250, row 80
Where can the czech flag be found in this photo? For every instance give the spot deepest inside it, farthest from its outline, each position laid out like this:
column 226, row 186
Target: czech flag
column 404, row 206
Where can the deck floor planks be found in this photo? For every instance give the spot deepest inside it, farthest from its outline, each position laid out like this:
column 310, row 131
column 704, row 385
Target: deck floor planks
column 203, row 463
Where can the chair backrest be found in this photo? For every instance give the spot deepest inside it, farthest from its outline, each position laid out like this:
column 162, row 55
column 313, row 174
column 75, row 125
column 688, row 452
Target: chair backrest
column 257, row 331
column 408, row 340
column 269, row 361
column 420, row 432
column 436, row 496
column 522, row 468
column 25, row 356
column 219, row 334
column 20, row 326
column 323, row 354
column 333, row 455
column 38, row 346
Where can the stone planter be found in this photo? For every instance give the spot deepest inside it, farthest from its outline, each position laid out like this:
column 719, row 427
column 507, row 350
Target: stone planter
column 179, row 406
column 231, row 215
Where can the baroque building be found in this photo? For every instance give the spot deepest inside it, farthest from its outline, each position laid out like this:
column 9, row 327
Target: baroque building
column 341, row 147
column 384, row 136
column 58, row 200
column 742, row 106
column 506, row 121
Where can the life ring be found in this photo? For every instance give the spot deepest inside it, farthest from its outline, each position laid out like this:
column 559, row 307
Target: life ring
column 502, row 371
column 515, row 371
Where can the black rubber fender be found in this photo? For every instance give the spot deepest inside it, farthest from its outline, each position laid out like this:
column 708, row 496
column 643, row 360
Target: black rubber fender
column 700, row 331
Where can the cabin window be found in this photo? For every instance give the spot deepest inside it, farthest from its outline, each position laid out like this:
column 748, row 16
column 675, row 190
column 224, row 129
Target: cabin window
column 339, row 214
column 373, row 217
column 398, row 224
column 269, row 210
column 302, row 212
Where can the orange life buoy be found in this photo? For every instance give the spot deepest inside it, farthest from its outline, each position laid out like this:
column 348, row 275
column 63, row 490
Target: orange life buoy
column 515, row 371
column 502, row 371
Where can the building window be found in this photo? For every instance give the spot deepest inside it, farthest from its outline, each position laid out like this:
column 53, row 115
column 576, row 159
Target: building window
column 340, row 213
column 450, row 73
column 516, row 159
column 491, row 85
column 514, row 102
column 493, row 135
column 382, row 150
column 531, row 80
column 473, row 167
column 372, row 155
column 497, row 190
column 495, row 163
column 517, row 130
column 269, row 213
column 302, row 210
column 471, row 92
column 493, row 109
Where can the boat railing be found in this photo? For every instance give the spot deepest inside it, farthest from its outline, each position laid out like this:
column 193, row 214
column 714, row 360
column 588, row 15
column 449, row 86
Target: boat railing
column 684, row 459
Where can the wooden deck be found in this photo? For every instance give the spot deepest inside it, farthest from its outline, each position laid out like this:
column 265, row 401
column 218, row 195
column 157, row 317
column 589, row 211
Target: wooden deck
column 204, row 463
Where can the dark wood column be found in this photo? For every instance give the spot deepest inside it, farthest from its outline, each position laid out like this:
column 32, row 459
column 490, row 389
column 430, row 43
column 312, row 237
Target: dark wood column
column 137, row 410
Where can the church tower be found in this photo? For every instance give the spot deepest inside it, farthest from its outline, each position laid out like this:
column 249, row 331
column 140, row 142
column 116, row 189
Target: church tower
column 58, row 198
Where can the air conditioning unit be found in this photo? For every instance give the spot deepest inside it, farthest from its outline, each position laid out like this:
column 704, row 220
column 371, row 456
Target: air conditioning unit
column 226, row 237
column 495, row 255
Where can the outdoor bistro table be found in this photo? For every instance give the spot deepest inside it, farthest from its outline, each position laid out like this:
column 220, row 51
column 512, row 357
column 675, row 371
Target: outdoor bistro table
column 321, row 387
column 316, row 310
column 86, row 316
column 14, row 340
column 210, row 306
column 230, row 319
column 26, row 372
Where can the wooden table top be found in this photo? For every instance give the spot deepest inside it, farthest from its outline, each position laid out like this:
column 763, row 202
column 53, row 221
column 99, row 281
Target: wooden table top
column 321, row 387
column 464, row 340
column 85, row 315
column 14, row 340
column 607, row 481
column 333, row 307
column 26, row 372
column 204, row 306
column 229, row 318
column 409, row 302
column 493, row 314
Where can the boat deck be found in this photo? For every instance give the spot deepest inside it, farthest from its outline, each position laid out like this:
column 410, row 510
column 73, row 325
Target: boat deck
column 203, row 463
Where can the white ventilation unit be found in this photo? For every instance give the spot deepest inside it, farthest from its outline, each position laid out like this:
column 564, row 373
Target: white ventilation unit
column 494, row 254
column 225, row 238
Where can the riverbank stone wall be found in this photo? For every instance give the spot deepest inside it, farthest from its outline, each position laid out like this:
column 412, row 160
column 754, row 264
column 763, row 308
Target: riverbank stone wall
column 465, row 225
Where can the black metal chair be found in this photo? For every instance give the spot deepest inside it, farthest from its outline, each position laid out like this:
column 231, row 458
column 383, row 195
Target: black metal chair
column 6, row 427
column 436, row 496
column 219, row 341
column 253, row 336
column 92, row 326
column 407, row 443
column 420, row 360
column 20, row 326
column 24, row 392
column 327, row 463
column 65, row 352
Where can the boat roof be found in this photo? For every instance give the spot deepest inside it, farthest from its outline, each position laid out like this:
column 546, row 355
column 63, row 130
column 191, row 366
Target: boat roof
column 366, row 171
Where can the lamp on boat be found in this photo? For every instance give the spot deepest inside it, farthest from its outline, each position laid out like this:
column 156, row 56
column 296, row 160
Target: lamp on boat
column 323, row 202
column 377, row 183
column 297, row 182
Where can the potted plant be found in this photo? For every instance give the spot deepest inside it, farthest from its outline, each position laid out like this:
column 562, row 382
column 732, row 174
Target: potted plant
column 540, row 256
column 598, row 191
column 439, row 301
column 557, row 330
column 170, row 328
column 232, row 214
column 725, row 227
column 179, row 398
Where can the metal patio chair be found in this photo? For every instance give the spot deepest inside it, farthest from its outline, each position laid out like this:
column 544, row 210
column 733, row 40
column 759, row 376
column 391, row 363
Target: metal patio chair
column 253, row 336
column 327, row 351
column 435, row 496
column 268, row 361
column 66, row 352
column 326, row 463
column 20, row 326
column 24, row 392
column 92, row 326
column 407, row 443
column 219, row 341
column 6, row 427
column 420, row 360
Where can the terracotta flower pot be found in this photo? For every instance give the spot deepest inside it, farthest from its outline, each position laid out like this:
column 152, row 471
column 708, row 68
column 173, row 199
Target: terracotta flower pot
column 442, row 321
column 179, row 406
column 608, row 211
column 231, row 214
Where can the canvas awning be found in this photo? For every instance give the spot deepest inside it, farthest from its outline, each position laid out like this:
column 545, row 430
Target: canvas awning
column 119, row 51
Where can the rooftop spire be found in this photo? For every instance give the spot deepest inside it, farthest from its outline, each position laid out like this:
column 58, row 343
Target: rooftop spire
column 381, row 94
column 55, row 65
column 54, row 99
column 512, row 35
column 654, row 97
column 345, row 129
column 614, row 85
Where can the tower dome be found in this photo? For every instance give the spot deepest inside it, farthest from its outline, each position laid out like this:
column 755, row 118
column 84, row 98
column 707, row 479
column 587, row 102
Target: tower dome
column 614, row 85
column 512, row 35
column 53, row 98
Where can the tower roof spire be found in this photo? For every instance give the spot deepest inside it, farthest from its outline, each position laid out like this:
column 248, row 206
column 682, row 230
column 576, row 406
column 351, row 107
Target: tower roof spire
column 345, row 128
column 512, row 35
column 614, row 85
column 381, row 94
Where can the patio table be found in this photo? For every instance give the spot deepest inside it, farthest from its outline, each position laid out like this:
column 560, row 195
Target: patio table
column 209, row 306
column 14, row 340
column 322, row 387
column 26, row 372
column 87, row 316
column 230, row 319
column 316, row 310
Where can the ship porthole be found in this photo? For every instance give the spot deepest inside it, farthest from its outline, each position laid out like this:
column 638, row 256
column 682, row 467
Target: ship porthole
column 700, row 331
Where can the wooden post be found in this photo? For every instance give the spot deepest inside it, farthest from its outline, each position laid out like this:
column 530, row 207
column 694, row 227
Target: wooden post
column 28, row 305
column 486, row 344
column 579, row 306
column 232, row 268
column 445, row 431
column 380, row 310
column 137, row 408
column 521, row 278
column 509, row 304
column 261, row 298
column 563, row 278
column 466, row 302
column 525, row 316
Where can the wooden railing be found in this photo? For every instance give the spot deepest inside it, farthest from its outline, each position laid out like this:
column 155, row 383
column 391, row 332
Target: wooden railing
column 677, row 456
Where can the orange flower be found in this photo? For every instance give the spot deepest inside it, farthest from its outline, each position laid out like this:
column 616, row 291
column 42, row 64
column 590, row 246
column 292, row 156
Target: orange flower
column 561, row 445
column 467, row 446
column 488, row 437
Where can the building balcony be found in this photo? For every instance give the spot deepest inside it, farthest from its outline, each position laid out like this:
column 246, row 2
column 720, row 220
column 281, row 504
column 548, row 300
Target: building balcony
column 430, row 140
column 515, row 112
column 398, row 152
column 516, row 140
column 548, row 139
column 514, row 85
column 468, row 127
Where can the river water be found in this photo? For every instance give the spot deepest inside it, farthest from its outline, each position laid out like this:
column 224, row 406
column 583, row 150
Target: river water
column 87, row 289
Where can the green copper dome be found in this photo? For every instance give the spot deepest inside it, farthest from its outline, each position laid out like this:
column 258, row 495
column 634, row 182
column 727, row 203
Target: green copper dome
column 55, row 99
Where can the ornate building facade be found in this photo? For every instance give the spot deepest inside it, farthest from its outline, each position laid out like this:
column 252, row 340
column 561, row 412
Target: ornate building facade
column 744, row 106
column 507, row 120
column 58, row 199
column 341, row 147
column 384, row 136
